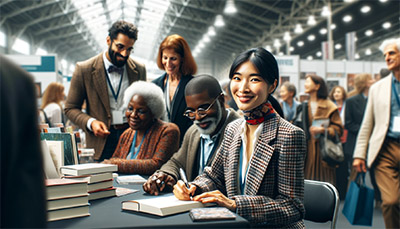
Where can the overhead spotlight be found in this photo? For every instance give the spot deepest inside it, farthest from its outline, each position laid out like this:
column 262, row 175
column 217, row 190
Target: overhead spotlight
column 357, row 56
column 311, row 37
column 280, row 53
column 319, row 53
column 333, row 26
column 298, row 29
column 383, row 1
column 386, row 25
column 323, row 31
column 311, row 20
column 230, row 7
column 300, row 43
column 310, row 57
column 347, row 18
column 365, row 9
column 211, row 31
column 291, row 48
column 201, row 45
column 338, row 46
column 287, row 37
column 325, row 11
column 369, row 33
column 277, row 43
column 368, row 52
column 219, row 21
column 206, row 39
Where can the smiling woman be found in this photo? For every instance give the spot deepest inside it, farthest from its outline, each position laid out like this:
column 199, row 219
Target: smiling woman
column 149, row 142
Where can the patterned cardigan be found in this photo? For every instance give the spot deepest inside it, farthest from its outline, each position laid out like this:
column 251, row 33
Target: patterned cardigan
column 159, row 144
column 274, row 189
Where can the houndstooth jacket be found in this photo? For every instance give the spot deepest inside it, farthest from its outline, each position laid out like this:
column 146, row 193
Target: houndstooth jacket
column 274, row 189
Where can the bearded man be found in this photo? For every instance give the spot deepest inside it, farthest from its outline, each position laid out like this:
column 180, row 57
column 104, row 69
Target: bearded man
column 101, row 82
column 205, row 106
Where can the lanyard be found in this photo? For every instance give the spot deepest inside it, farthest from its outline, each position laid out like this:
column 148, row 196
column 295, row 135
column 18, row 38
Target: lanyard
column 111, row 87
column 133, row 153
column 395, row 93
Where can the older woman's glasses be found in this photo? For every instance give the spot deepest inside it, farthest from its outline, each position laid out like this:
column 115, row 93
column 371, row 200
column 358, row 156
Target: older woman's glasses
column 201, row 112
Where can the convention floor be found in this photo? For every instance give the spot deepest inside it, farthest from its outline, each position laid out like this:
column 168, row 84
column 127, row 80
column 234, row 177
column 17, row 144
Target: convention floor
column 377, row 221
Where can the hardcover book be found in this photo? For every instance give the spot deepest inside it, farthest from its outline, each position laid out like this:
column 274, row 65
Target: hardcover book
column 103, row 193
column 209, row 214
column 63, row 188
column 91, row 178
column 100, row 185
column 89, row 168
column 67, row 202
column 68, row 213
column 70, row 148
column 161, row 205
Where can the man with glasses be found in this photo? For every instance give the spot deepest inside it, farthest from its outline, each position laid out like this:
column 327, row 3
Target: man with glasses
column 205, row 106
column 101, row 82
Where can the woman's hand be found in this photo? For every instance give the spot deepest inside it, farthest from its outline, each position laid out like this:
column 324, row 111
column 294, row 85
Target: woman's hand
column 314, row 130
column 359, row 165
column 158, row 182
column 216, row 197
column 181, row 192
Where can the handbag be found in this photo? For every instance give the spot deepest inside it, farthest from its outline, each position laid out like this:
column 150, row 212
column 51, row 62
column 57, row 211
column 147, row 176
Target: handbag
column 331, row 150
column 359, row 204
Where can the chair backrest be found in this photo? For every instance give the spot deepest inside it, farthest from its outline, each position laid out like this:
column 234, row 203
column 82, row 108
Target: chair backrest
column 321, row 201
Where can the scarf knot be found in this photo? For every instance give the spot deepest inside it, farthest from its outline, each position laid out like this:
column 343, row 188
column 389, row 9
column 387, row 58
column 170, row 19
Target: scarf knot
column 259, row 114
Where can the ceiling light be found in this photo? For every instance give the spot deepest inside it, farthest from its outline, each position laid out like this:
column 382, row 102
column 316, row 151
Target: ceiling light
column 280, row 54
column 230, row 7
column 325, row 11
column 219, row 21
column 287, row 36
column 206, row 39
column 300, row 43
column 311, row 20
column 369, row 33
column 201, row 45
column 365, row 9
column 348, row 1
column 368, row 52
column 211, row 31
column 338, row 46
column 291, row 48
column 347, row 18
column 310, row 58
column 357, row 56
column 319, row 53
column 333, row 26
column 311, row 37
column 323, row 31
column 386, row 25
column 298, row 29
column 383, row 0
column 277, row 43
column 268, row 47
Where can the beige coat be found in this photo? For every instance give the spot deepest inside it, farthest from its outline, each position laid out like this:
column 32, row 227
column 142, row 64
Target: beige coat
column 376, row 121
column 89, row 83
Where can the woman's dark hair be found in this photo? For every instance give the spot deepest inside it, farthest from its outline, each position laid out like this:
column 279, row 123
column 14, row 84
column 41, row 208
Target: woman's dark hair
column 263, row 60
column 322, row 92
column 266, row 65
column 123, row 27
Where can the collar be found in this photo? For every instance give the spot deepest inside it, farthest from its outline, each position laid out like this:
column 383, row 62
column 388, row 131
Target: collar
column 394, row 79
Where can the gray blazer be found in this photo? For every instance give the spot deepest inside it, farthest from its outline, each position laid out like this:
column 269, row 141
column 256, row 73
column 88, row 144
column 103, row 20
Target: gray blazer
column 89, row 83
column 186, row 157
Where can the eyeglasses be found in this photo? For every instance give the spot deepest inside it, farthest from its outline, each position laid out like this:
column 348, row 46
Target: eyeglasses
column 201, row 112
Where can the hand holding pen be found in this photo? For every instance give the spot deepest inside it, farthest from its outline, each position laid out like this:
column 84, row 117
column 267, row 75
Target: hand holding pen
column 183, row 190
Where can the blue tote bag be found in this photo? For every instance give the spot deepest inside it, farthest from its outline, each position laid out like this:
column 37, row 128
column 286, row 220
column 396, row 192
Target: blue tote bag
column 359, row 204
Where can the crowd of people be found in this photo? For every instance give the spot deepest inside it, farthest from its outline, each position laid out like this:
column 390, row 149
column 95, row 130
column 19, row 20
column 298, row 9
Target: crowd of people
column 241, row 148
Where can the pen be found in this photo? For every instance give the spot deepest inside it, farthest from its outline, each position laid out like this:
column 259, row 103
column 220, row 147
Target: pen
column 183, row 176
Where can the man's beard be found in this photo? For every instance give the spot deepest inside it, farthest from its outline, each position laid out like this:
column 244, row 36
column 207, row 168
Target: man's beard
column 214, row 121
column 113, row 56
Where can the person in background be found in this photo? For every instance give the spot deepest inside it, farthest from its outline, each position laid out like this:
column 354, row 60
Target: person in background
column 354, row 114
column 175, row 58
column 229, row 101
column 203, row 138
column 51, row 106
column 322, row 114
column 258, row 170
column 338, row 96
column 23, row 194
column 378, row 141
column 289, row 104
column 149, row 142
column 101, row 81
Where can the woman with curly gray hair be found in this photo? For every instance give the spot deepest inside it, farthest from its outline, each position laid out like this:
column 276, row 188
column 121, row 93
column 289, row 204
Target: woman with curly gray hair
column 149, row 142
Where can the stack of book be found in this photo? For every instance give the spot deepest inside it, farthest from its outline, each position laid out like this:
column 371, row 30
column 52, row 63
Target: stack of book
column 66, row 199
column 98, row 176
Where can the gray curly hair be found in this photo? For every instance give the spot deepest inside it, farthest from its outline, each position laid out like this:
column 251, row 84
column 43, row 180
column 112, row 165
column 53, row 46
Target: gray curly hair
column 152, row 95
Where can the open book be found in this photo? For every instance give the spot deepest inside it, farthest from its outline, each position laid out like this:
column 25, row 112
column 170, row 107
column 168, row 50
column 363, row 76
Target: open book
column 161, row 205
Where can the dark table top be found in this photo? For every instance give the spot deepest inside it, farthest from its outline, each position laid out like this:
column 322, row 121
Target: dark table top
column 107, row 213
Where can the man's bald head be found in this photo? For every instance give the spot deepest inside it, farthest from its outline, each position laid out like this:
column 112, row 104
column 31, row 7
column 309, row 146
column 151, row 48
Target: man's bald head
column 203, row 83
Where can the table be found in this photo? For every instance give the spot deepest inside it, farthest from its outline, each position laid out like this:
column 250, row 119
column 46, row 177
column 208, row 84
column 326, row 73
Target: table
column 107, row 213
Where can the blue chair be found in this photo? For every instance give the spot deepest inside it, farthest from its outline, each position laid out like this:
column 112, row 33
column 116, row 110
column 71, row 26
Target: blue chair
column 321, row 201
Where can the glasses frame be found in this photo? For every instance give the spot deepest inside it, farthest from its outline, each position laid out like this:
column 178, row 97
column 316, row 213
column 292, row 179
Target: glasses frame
column 203, row 111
